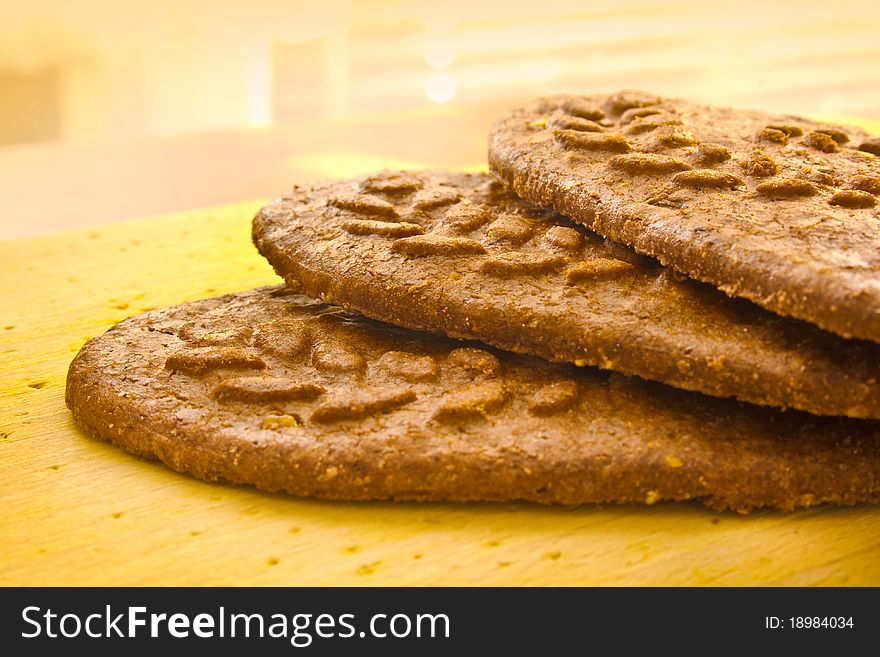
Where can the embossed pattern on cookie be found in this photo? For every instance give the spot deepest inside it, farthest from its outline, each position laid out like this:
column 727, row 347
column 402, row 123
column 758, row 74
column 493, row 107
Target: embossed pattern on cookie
column 492, row 267
column 420, row 417
column 779, row 210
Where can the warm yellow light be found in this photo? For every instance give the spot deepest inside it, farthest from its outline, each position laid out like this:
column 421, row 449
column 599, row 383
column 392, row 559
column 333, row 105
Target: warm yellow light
column 327, row 163
column 259, row 84
column 436, row 17
column 440, row 87
column 439, row 53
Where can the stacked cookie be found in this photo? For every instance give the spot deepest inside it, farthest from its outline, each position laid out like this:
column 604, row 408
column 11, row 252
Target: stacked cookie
column 651, row 300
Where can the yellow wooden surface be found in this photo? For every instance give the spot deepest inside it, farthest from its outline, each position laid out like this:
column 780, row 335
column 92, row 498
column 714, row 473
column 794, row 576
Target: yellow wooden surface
column 74, row 510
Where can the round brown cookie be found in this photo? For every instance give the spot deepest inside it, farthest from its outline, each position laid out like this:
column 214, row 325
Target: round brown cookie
column 457, row 253
column 271, row 388
column 777, row 209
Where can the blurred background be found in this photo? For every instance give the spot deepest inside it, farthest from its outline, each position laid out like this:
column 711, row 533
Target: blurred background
column 113, row 109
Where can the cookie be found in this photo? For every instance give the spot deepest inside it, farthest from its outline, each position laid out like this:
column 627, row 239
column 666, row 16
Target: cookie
column 273, row 389
column 458, row 254
column 780, row 210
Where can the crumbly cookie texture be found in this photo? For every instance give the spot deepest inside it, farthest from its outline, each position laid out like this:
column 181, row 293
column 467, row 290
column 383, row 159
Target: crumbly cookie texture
column 780, row 210
column 457, row 253
column 273, row 389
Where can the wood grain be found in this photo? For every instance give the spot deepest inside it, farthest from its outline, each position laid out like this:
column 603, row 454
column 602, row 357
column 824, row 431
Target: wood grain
column 74, row 510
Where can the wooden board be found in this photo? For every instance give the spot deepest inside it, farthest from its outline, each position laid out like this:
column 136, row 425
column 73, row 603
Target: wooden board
column 74, row 510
